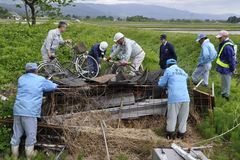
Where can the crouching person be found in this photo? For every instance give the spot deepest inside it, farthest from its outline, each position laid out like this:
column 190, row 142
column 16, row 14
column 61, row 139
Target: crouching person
column 97, row 51
column 27, row 109
column 175, row 79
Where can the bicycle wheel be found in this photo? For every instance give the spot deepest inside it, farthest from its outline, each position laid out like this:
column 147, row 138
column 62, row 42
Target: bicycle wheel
column 129, row 70
column 87, row 66
column 48, row 70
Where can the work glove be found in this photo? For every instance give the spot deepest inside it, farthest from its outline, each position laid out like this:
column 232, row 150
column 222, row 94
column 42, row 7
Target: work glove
column 109, row 58
column 52, row 57
column 68, row 41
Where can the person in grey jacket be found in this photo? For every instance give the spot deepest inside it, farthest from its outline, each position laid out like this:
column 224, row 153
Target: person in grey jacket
column 53, row 41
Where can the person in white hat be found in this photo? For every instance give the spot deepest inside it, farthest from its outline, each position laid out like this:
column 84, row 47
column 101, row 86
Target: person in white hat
column 226, row 62
column 128, row 49
column 207, row 55
column 27, row 108
column 98, row 52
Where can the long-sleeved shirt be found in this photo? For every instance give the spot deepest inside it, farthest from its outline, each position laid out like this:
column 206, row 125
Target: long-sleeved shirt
column 167, row 51
column 30, row 93
column 129, row 49
column 228, row 57
column 96, row 53
column 208, row 53
column 175, row 79
column 53, row 40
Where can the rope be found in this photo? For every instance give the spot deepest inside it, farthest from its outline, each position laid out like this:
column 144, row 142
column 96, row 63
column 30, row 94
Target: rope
column 218, row 136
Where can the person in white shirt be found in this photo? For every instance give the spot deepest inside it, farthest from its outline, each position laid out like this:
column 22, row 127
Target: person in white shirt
column 129, row 50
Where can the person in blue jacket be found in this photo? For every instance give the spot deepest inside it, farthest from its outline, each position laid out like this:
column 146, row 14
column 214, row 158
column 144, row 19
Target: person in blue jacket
column 207, row 55
column 175, row 80
column 97, row 51
column 27, row 108
column 226, row 62
column 167, row 51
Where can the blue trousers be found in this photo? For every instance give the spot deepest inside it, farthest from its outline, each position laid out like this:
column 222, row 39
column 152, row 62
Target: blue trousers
column 27, row 125
column 93, row 66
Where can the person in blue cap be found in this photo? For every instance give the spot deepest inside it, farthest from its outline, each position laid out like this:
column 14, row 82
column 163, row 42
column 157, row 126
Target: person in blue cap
column 175, row 80
column 207, row 55
column 27, row 108
column 167, row 51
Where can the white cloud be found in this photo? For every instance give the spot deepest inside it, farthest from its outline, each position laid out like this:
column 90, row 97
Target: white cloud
column 198, row 6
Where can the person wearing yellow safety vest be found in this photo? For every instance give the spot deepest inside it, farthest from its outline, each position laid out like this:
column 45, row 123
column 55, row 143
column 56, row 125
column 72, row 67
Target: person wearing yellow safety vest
column 226, row 62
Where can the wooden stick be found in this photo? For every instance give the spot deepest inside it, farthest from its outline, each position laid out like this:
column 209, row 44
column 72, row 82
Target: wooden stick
column 105, row 141
column 198, row 84
column 120, row 112
column 213, row 92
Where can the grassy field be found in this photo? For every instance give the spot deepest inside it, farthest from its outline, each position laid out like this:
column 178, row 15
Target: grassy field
column 20, row 44
column 169, row 25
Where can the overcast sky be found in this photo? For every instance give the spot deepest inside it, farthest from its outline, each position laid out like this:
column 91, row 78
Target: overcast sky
column 198, row 6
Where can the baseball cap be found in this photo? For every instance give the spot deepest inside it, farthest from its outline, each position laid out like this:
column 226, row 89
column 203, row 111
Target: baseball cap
column 31, row 66
column 163, row 36
column 201, row 36
column 222, row 33
column 171, row 61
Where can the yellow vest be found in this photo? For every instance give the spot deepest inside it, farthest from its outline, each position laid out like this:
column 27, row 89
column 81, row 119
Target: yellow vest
column 219, row 62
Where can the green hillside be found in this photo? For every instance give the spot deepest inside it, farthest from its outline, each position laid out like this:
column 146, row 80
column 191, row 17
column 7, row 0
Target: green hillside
column 20, row 44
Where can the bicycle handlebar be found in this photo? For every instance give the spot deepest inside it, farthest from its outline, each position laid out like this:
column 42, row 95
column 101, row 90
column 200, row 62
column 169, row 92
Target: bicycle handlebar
column 117, row 62
column 70, row 45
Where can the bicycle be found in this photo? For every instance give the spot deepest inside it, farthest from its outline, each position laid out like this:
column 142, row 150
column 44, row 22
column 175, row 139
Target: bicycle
column 124, row 67
column 79, row 66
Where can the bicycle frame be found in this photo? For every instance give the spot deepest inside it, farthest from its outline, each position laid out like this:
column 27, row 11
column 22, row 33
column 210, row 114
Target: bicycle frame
column 79, row 64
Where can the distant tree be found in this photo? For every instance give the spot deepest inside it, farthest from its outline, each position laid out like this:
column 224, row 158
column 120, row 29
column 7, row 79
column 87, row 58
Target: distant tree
column 50, row 7
column 140, row 19
column 233, row 19
column 87, row 17
column 110, row 18
column 4, row 13
column 119, row 19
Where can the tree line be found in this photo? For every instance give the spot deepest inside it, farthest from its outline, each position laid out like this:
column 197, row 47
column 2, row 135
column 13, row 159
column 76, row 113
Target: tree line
column 4, row 13
column 233, row 19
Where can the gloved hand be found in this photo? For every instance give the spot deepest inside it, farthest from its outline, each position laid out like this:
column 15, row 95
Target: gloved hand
column 52, row 57
column 109, row 58
column 68, row 41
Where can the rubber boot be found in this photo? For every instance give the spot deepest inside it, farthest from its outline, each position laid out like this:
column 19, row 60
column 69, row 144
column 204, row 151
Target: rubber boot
column 170, row 135
column 180, row 135
column 30, row 153
column 15, row 152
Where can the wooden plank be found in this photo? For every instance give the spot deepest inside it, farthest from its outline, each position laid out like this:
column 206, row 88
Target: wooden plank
column 103, row 79
column 139, row 109
column 146, row 108
column 117, row 99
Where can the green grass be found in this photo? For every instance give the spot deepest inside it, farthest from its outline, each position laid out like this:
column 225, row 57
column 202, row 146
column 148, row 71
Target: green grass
column 168, row 24
column 20, row 44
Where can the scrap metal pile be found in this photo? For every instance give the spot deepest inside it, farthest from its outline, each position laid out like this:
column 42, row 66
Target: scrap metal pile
column 89, row 116
column 87, row 110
